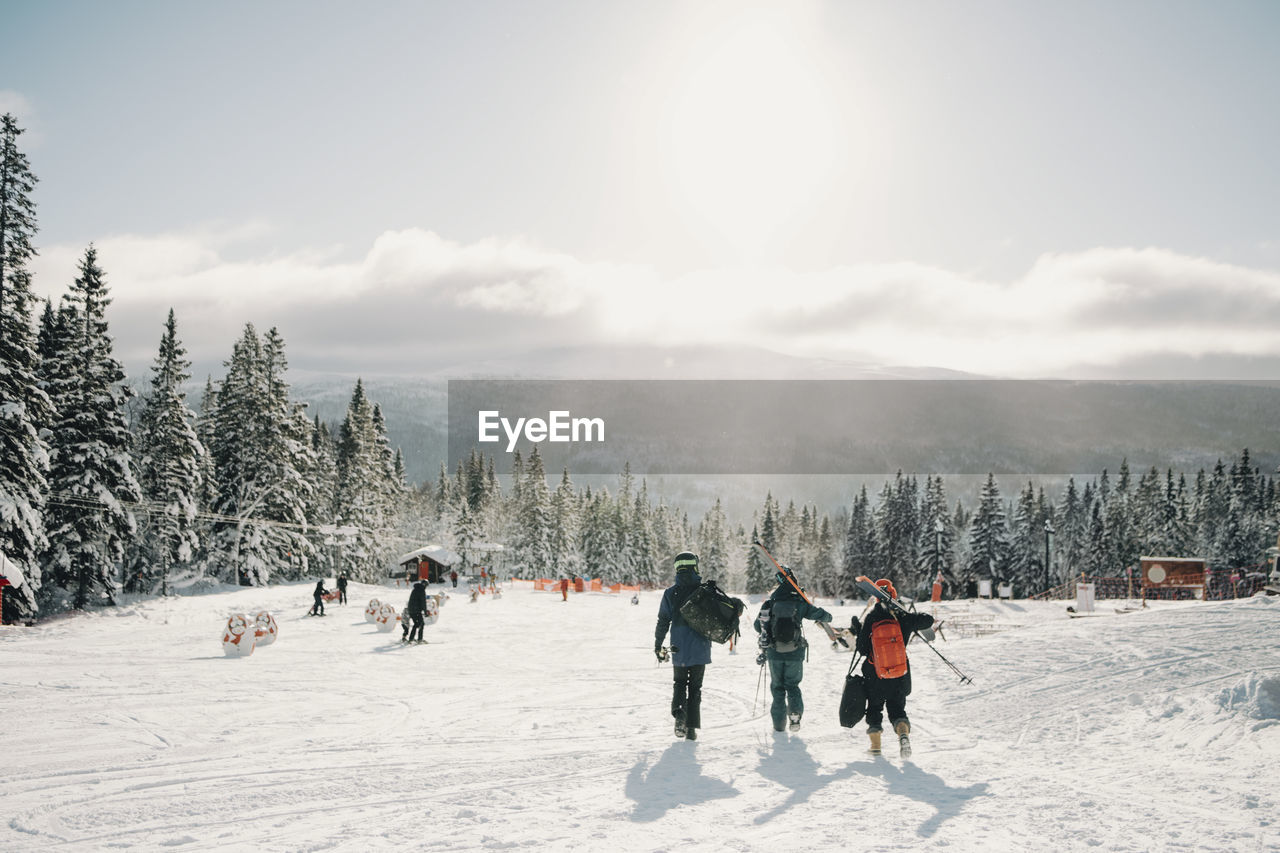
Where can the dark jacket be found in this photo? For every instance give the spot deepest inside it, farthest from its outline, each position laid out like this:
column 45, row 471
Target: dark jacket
column 688, row 647
column 320, row 590
column 342, row 581
column 909, row 622
column 804, row 610
column 418, row 599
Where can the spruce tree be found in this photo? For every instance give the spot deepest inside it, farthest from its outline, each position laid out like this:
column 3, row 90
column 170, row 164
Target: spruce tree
column 24, row 406
column 91, row 479
column 988, row 535
column 362, row 497
column 170, row 467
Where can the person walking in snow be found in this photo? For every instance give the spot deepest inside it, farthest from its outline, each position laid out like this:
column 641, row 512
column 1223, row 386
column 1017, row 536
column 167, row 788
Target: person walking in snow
column 564, row 589
column 317, row 609
column 887, row 693
column 453, row 576
column 417, row 610
column 342, row 588
column 690, row 651
column 785, row 648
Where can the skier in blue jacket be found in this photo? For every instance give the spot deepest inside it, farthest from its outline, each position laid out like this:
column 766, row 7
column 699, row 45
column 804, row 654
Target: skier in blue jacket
column 690, row 651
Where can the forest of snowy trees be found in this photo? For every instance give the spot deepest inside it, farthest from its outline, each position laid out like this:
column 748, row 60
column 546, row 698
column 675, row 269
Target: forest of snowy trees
column 109, row 487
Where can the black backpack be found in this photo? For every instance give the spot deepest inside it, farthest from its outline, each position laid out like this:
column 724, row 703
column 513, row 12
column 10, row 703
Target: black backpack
column 784, row 625
column 712, row 612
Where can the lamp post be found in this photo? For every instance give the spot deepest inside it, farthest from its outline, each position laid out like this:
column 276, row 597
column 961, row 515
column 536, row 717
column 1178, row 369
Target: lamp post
column 1048, row 545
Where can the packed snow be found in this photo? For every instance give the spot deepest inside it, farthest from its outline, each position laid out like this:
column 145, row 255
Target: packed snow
column 535, row 723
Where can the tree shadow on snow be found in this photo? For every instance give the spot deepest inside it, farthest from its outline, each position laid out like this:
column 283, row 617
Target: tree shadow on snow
column 910, row 781
column 790, row 765
column 676, row 779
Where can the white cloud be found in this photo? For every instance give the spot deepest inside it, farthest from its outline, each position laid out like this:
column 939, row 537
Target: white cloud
column 419, row 299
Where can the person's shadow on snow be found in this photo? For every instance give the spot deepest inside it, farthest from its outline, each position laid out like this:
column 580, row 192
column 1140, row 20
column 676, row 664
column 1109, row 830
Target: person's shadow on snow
column 676, row 779
column 910, row 781
column 790, row 765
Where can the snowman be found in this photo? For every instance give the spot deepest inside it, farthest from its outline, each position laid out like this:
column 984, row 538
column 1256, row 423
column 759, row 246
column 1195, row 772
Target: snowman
column 371, row 612
column 238, row 639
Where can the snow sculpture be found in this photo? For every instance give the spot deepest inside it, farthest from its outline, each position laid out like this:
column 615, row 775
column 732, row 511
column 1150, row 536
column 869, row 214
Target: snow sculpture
column 238, row 639
column 371, row 612
column 265, row 629
column 386, row 619
column 433, row 609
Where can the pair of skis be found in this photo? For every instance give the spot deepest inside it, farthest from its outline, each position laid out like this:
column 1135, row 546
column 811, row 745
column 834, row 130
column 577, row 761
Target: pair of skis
column 826, row 626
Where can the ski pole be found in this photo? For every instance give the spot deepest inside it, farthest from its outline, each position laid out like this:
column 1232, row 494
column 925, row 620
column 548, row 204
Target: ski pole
column 831, row 634
column 874, row 590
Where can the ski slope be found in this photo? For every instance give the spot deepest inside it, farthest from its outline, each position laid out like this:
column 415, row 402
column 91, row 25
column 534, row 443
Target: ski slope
column 531, row 723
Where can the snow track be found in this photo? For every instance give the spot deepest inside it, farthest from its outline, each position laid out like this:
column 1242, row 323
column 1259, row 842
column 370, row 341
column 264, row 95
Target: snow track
column 528, row 722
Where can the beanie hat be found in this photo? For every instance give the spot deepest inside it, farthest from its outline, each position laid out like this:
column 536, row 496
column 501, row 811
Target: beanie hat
column 686, row 561
column 887, row 586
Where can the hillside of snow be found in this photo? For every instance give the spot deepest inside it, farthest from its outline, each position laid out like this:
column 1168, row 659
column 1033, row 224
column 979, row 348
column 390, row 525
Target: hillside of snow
column 531, row 723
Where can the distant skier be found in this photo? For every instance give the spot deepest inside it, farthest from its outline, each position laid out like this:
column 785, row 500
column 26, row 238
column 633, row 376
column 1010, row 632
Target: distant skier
column 564, row 589
column 320, row 592
column 417, row 610
column 885, row 634
column 690, row 651
column 785, row 647
column 453, row 576
column 342, row 588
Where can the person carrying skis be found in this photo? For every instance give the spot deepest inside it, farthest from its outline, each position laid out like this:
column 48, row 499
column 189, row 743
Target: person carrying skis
column 342, row 588
column 318, row 594
column 690, row 651
column 886, row 632
column 785, row 647
column 417, row 610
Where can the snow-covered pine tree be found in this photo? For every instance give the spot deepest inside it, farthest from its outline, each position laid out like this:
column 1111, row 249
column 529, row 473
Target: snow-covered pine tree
column 91, row 478
column 170, row 461
column 534, row 520
column 566, row 534
column 759, row 574
column 988, row 535
column 713, row 545
column 825, row 573
column 260, row 449
column 936, row 535
column 24, row 406
column 362, row 495
column 860, row 548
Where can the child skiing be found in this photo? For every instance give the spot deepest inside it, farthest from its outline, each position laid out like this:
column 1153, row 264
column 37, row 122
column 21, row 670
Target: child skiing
column 317, row 609
column 785, row 647
column 882, row 638
column 690, row 651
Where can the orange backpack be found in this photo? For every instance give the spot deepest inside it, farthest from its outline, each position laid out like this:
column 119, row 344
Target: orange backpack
column 888, row 650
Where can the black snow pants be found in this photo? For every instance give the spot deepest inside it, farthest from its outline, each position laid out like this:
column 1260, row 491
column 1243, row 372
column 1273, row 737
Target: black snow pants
column 885, row 694
column 686, row 697
column 418, row 621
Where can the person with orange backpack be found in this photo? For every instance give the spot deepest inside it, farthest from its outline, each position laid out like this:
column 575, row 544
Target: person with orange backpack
column 882, row 639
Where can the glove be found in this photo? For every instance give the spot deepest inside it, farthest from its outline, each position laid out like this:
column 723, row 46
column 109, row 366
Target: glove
column 660, row 653
column 854, row 625
column 760, row 659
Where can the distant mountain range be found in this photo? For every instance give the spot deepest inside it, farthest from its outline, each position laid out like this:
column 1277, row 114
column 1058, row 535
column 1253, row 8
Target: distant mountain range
column 920, row 424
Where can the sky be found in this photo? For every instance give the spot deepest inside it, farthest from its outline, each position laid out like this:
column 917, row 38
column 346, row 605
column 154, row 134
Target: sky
column 1009, row 189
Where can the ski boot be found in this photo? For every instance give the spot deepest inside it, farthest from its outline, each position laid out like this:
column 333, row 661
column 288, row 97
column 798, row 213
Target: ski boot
column 903, row 728
column 795, row 723
column 680, row 729
column 875, row 741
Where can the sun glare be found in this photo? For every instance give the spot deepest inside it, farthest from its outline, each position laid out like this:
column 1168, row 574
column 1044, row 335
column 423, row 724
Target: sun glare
column 753, row 135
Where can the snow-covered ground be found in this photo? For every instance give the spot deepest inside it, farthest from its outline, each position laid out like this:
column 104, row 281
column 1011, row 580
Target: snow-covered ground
column 528, row 722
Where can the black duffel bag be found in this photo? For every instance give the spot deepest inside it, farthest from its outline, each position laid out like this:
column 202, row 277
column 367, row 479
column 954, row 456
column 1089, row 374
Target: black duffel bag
column 853, row 701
